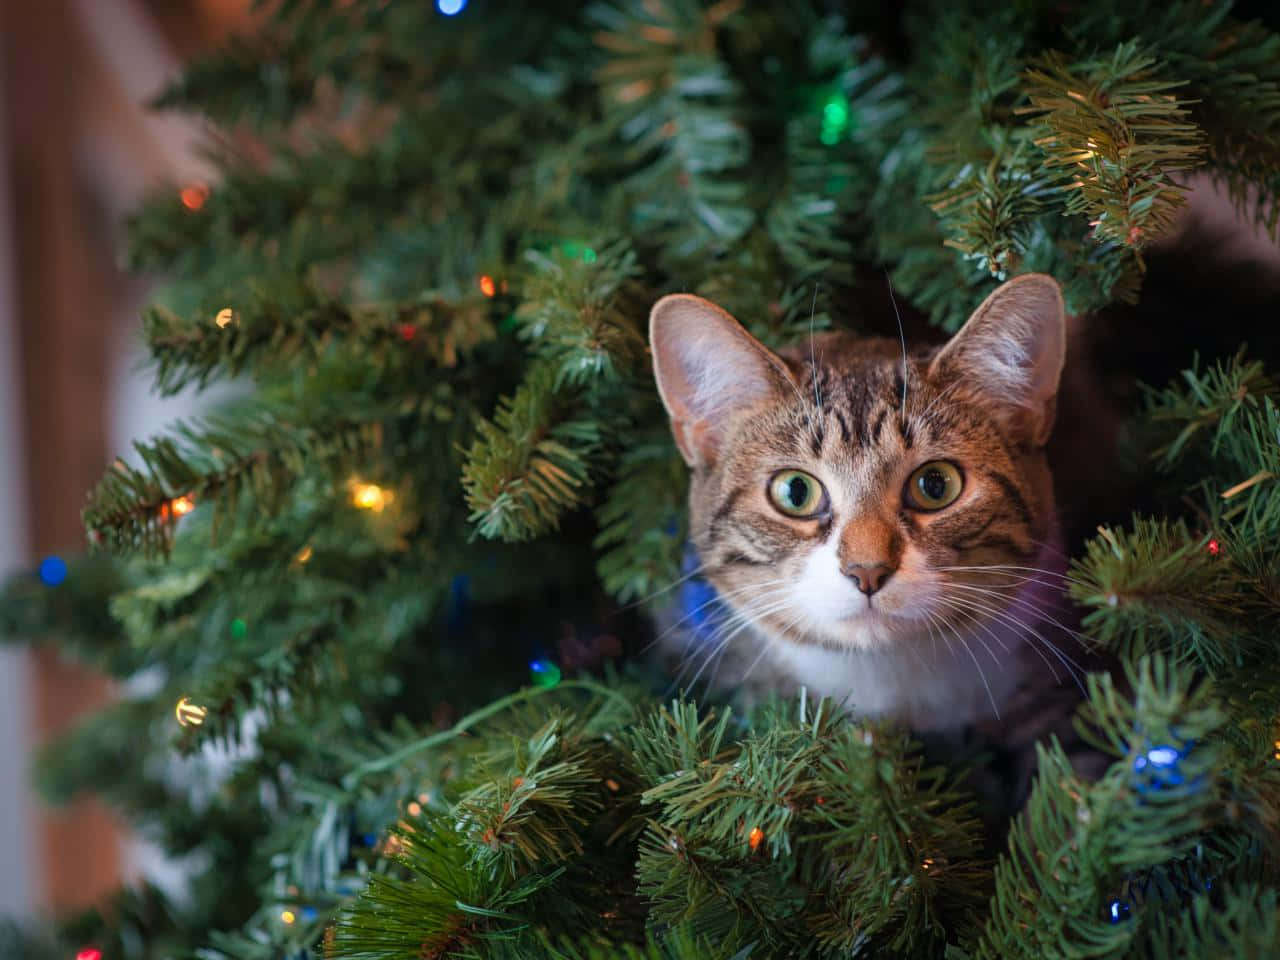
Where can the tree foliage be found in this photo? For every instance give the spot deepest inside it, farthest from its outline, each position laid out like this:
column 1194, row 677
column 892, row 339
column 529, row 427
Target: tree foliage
column 427, row 262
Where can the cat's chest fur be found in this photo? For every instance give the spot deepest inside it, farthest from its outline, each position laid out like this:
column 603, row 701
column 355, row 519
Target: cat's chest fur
column 932, row 688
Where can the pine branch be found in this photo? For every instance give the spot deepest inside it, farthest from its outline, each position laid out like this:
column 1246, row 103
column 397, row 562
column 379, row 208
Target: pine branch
column 986, row 210
column 534, row 800
column 584, row 312
column 264, row 81
column 882, row 847
column 1093, row 273
column 380, row 212
column 1158, row 588
column 1220, row 430
column 1236, row 922
column 642, row 522
column 993, row 185
column 1237, row 80
column 267, row 333
column 1213, row 399
column 854, row 101
column 531, row 464
column 747, row 286
column 1118, row 129
column 677, row 943
column 539, row 456
column 1232, row 71
column 677, row 106
column 899, row 850
column 219, row 460
column 440, row 908
column 74, row 615
column 935, row 278
column 1072, row 847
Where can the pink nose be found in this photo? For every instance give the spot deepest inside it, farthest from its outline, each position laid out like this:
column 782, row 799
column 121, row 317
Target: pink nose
column 868, row 579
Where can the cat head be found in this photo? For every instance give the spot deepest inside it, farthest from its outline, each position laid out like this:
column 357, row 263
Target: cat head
column 843, row 497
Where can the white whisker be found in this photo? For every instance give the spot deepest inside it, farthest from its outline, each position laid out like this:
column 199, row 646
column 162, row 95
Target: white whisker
column 981, row 673
column 813, row 363
column 1027, row 605
column 945, row 392
column 957, row 607
column 640, row 601
column 1004, row 568
column 746, row 623
column 903, row 337
column 1074, row 669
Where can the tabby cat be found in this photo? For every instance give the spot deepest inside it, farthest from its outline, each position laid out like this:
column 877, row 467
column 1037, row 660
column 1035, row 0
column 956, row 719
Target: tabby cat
column 881, row 525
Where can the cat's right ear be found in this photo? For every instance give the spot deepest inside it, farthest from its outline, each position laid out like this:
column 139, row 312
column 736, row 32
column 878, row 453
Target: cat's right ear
column 708, row 368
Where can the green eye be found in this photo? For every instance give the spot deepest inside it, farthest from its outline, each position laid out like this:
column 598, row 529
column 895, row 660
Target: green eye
column 934, row 485
column 796, row 493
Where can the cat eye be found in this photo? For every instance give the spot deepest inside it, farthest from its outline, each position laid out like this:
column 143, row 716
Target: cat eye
column 934, row 485
column 797, row 494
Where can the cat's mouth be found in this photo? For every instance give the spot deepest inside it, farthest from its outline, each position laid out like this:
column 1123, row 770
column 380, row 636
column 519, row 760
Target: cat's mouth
column 875, row 615
column 861, row 608
column 866, row 629
column 859, row 626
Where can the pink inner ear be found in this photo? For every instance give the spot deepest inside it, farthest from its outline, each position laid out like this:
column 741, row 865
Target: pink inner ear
column 708, row 368
column 1011, row 351
column 693, row 442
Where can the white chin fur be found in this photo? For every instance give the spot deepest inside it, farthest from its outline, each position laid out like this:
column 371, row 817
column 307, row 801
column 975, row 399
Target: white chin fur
column 890, row 663
column 842, row 616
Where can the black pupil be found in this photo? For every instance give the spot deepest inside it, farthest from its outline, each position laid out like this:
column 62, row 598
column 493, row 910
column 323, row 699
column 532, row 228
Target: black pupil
column 933, row 483
column 798, row 491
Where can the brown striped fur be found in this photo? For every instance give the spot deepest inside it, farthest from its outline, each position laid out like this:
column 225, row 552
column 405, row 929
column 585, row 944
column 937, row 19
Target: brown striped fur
column 936, row 647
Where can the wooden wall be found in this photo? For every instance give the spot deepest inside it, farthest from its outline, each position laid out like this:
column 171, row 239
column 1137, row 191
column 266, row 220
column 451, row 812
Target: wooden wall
column 64, row 342
column 70, row 75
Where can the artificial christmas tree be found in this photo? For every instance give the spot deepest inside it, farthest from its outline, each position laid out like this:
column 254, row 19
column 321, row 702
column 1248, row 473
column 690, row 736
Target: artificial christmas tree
column 396, row 576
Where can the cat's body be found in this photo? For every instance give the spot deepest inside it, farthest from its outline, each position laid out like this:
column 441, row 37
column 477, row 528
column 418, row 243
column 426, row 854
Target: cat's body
column 936, row 611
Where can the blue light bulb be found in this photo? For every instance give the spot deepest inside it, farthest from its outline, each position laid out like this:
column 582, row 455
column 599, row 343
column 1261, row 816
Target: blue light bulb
column 53, row 570
column 451, row 8
column 1162, row 756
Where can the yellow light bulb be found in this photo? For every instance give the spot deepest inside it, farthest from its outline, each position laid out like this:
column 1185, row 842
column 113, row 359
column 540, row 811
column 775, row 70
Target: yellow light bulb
column 370, row 496
column 225, row 318
column 182, row 505
column 288, row 916
column 190, row 714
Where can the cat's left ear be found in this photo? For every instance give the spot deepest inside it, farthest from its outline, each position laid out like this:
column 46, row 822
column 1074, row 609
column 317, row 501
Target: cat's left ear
column 1011, row 351
column 709, row 370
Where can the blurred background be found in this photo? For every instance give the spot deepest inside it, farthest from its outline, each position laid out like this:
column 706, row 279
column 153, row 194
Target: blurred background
column 78, row 149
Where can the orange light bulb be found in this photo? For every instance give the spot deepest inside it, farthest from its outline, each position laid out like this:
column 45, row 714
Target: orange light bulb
column 194, row 195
